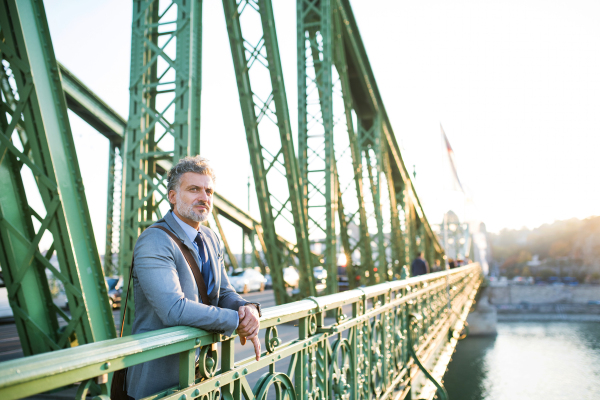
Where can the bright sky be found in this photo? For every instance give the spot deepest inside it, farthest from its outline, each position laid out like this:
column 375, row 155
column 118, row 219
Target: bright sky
column 515, row 85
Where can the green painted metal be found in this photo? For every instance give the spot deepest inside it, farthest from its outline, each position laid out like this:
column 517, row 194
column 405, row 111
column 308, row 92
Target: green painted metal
column 113, row 209
column 368, row 102
column 353, row 184
column 316, row 153
column 396, row 234
column 164, row 111
column 337, row 88
column 272, row 155
column 89, row 107
column 43, row 148
column 351, row 271
column 361, row 352
column 372, row 149
column 327, row 137
column 29, row 291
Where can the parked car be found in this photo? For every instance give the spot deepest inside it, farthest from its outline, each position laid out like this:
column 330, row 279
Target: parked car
column 342, row 278
column 246, row 280
column 291, row 277
column 114, row 285
column 269, row 281
column 5, row 309
column 320, row 274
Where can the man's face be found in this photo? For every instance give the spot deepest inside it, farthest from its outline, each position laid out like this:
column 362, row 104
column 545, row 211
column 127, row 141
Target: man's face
column 194, row 198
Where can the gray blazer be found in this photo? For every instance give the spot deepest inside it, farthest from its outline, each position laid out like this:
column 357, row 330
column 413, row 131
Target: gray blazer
column 166, row 295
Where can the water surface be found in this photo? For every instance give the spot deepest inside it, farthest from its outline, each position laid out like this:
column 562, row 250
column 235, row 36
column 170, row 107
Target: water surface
column 528, row 360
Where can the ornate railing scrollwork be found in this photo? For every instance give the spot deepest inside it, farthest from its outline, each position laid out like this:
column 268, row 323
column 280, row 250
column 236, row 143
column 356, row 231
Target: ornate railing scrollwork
column 208, row 361
column 272, row 341
column 284, row 388
column 341, row 369
column 377, row 357
column 416, row 320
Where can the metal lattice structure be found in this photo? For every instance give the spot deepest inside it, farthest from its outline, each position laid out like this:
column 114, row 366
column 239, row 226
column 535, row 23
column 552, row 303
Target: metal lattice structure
column 164, row 111
column 348, row 155
column 268, row 131
column 347, row 190
column 37, row 144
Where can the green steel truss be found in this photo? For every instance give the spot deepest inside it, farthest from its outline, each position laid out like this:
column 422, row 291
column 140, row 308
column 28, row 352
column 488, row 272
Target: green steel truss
column 390, row 176
column 36, row 145
column 348, row 156
column 83, row 102
column 268, row 131
column 315, row 131
column 350, row 179
column 164, row 111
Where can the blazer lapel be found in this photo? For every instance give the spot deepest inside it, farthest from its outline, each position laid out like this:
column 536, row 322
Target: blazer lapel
column 174, row 226
column 213, row 262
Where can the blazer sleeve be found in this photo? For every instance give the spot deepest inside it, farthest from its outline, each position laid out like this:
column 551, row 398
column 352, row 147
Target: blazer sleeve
column 155, row 268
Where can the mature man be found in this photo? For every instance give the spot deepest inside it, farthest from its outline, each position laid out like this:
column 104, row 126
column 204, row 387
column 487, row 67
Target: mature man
column 419, row 265
column 166, row 293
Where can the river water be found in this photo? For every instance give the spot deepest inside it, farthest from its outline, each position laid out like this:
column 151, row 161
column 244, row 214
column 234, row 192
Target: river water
column 528, row 361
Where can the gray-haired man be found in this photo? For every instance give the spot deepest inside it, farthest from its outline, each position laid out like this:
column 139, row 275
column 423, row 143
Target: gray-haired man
column 166, row 293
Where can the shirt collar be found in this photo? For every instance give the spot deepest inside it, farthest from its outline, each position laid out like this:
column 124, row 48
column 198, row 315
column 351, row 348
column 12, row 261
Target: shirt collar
column 189, row 231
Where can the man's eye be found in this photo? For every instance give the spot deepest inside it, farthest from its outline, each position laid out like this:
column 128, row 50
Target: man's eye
column 209, row 192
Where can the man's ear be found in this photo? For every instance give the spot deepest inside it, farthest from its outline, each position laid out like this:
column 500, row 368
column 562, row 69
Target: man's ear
column 172, row 195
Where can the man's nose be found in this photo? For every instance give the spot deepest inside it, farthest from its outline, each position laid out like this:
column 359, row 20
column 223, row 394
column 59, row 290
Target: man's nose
column 203, row 195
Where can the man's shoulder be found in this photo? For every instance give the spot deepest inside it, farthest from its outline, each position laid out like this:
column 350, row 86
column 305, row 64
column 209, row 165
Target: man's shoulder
column 154, row 235
column 208, row 232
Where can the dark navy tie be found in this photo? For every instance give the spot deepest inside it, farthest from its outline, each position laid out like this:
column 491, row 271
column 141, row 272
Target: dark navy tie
column 205, row 260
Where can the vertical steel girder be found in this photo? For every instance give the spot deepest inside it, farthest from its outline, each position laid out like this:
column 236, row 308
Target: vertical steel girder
column 316, row 153
column 269, row 135
column 30, row 299
column 396, row 234
column 369, row 105
column 164, row 111
column 113, row 209
column 330, row 156
column 355, row 169
column 44, row 148
column 372, row 149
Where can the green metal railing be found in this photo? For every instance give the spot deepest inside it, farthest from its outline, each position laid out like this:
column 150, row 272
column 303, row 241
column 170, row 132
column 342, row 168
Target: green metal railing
column 361, row 356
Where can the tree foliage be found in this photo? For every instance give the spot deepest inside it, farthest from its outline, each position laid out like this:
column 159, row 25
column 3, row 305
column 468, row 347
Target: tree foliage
column 573, row 242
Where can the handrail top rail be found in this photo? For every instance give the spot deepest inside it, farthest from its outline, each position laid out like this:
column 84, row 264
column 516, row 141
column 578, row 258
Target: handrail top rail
column 34, row 367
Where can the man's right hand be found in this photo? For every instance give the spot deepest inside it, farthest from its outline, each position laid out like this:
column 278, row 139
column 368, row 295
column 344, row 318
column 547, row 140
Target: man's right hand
column 248, row 327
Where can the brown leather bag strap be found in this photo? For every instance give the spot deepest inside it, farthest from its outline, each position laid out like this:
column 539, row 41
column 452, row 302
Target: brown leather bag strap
column 191, row 262
column 127, row 296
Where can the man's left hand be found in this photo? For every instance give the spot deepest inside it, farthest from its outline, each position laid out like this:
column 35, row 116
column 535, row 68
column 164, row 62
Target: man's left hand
column 248, row 327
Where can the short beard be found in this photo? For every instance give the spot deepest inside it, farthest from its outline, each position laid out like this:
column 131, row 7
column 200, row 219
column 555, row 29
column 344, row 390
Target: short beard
column 189, row 212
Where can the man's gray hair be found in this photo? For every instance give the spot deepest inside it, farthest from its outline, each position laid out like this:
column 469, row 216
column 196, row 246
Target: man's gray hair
column 195, row 164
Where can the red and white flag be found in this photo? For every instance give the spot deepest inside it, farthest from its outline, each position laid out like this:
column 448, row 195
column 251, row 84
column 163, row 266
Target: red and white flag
column 455, row 182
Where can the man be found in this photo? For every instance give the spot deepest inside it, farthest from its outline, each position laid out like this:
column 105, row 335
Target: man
column 419, row 265
column 166, row 293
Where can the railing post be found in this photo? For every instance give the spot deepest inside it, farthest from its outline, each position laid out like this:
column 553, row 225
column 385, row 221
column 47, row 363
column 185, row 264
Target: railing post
column 187, row 370
column 300, row 375
column 227, row 364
